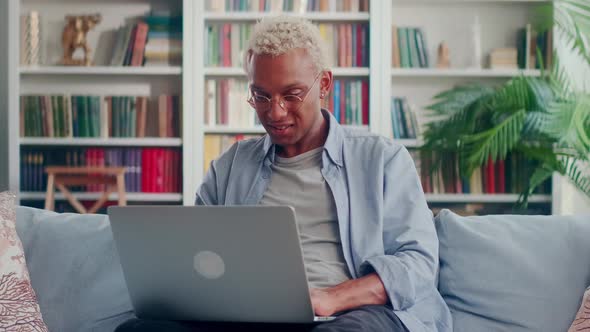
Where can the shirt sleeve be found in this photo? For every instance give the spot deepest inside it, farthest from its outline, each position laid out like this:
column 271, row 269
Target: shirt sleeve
column 409, row 264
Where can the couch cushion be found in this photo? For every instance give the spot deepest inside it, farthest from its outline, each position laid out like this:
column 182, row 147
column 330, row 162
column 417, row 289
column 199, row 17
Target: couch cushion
column 74, row 269
column 19, row 310
column 513, row 273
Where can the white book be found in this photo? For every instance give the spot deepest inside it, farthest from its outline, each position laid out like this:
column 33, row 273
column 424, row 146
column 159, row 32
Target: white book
column 212, row 102
column 235, row 44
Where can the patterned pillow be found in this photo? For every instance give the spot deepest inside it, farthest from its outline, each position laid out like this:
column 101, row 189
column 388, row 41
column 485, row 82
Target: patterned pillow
column 18, row 304
column 582, row 321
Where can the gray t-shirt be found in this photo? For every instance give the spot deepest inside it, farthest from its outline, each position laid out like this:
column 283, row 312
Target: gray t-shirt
column 298, row 182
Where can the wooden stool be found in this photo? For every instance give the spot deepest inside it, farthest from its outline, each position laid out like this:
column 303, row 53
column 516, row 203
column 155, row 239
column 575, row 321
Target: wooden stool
column 112, row 177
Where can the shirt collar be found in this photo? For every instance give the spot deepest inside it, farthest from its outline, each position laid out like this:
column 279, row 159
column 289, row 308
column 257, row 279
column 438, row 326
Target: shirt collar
column 333, row 144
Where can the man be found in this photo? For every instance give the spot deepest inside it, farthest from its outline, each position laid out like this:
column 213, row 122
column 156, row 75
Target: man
column 369, row 243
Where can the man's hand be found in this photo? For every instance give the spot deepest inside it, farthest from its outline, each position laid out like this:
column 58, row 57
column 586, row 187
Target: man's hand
column 348, row 295
column 322, row 301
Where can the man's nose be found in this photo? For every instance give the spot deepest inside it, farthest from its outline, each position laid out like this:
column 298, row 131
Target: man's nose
column 276, row 112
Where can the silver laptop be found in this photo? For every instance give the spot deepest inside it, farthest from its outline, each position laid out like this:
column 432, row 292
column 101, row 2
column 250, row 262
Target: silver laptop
column 213, row 263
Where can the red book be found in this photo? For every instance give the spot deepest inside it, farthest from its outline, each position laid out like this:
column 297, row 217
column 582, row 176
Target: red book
column 349, row 49
column 501, row 177
column 491, row 182
column 365, row 101
column 139, row 44
column 160, row 169
column 341, row 45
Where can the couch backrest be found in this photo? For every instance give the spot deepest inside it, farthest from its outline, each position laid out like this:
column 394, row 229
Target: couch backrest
column 513, row 273
column 74, row 270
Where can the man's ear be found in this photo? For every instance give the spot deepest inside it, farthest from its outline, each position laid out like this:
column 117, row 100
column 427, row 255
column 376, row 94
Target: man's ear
column 325, row 83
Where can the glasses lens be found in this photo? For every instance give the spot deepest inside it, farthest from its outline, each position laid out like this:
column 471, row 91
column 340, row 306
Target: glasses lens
column 291, row 102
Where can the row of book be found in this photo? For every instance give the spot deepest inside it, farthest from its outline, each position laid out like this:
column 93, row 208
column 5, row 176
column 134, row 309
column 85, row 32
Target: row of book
column 148, row 170
column 403, row 120
column 409, row 48
column 226, row 104
column 153, row 41
column 528, row 41
column 293, row 6
column 99, row 116
column 496, row 177
column 349, row 101
column 215, row 145
column 347, row 44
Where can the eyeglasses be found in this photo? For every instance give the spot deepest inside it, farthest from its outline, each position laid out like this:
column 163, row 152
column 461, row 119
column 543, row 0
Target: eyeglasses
column 288, row 103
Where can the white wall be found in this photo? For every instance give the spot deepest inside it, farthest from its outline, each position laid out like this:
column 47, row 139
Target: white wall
column 568, row 199
column 4, row 95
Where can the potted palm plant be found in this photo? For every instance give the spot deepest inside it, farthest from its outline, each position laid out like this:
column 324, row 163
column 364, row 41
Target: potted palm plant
column 545, row 119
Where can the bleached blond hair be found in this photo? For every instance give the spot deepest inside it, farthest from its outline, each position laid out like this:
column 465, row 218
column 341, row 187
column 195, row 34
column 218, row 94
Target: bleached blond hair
column 281, row 34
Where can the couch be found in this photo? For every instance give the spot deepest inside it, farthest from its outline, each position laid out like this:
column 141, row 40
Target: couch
column 497, row 273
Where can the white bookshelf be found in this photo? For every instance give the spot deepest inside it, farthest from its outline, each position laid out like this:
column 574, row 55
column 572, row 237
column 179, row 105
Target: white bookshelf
column 239, row 72
column 447, row 20
column 99, row 70
column 101, row 79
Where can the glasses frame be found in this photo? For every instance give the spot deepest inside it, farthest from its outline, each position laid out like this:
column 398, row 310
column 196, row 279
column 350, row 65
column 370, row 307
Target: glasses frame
column 250, row 99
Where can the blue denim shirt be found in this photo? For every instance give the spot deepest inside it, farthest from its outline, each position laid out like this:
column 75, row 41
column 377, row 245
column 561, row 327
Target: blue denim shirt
column 385, row 224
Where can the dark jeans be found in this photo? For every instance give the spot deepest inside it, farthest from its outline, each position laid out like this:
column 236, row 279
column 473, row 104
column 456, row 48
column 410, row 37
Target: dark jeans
column 365, row 319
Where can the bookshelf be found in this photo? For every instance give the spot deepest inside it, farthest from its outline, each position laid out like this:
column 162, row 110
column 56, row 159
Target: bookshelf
column 102, row 80
column 440, row 20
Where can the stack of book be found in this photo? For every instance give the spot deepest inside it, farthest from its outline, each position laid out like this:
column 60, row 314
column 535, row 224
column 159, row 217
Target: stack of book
column 409, row 48
column 98, row 116
column 528, row 42
column 496, row 177
column 403, row 119
column 294, row 6
column 504, row 58
column 164, row 44
column 148, row 170
column 129, row 47
column 347, row 43
column 226, row 104
column 349, row 101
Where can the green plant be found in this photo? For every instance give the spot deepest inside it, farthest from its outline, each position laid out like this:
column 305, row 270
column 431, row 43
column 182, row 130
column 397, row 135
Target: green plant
column 543, row 118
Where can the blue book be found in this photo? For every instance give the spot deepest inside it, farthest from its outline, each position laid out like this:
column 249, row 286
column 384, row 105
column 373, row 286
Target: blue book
column 394, row 125
column 337, row 100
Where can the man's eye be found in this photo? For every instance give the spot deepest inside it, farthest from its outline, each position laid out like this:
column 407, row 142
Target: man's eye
column 260, row 98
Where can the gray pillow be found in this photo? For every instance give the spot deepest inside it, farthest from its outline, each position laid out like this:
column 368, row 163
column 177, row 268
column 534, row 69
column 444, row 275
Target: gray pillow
column 74, row 270
column 513, row 273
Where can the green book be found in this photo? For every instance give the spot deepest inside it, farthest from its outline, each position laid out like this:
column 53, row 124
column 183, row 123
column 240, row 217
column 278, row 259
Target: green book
column 133, row 117
column 412, row 49
column 403, row 47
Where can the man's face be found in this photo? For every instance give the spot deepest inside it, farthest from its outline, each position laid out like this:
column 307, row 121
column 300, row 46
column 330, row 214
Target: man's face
column 289, row 74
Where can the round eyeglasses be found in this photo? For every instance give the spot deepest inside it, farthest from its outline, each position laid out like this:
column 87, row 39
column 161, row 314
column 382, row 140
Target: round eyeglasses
column 288, row 102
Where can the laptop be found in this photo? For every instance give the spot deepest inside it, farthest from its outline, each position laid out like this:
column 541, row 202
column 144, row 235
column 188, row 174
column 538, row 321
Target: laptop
column 213, row 263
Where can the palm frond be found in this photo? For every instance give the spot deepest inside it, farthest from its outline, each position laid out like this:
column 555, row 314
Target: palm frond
column 572, row 17
column 578, row 172
column 568, row 123
column 493, row 143
column 457, row 99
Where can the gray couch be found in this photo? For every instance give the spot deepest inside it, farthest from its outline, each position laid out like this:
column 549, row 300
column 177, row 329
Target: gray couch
column 497, row 273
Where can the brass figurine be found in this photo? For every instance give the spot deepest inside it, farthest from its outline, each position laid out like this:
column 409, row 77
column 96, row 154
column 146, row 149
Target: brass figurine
column 444, row 56
column 74, row 36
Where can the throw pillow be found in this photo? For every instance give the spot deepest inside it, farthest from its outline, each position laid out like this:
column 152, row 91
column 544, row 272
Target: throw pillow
column 513, row 273
column 582, row 321
column 18, row 303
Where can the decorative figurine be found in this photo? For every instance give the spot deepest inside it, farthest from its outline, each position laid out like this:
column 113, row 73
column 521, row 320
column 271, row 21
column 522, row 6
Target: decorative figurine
column 444, row 57
column 74, row 36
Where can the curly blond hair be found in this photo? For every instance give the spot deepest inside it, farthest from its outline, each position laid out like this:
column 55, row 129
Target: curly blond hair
column 280, row 34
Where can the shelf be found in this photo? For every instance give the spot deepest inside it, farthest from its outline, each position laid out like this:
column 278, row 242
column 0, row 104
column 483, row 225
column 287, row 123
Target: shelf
column 133, row 197
column 99, row 70
column 317, row 16
column 239, row 72
column 434, row 72
column 483, row 198
column 79, row 141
